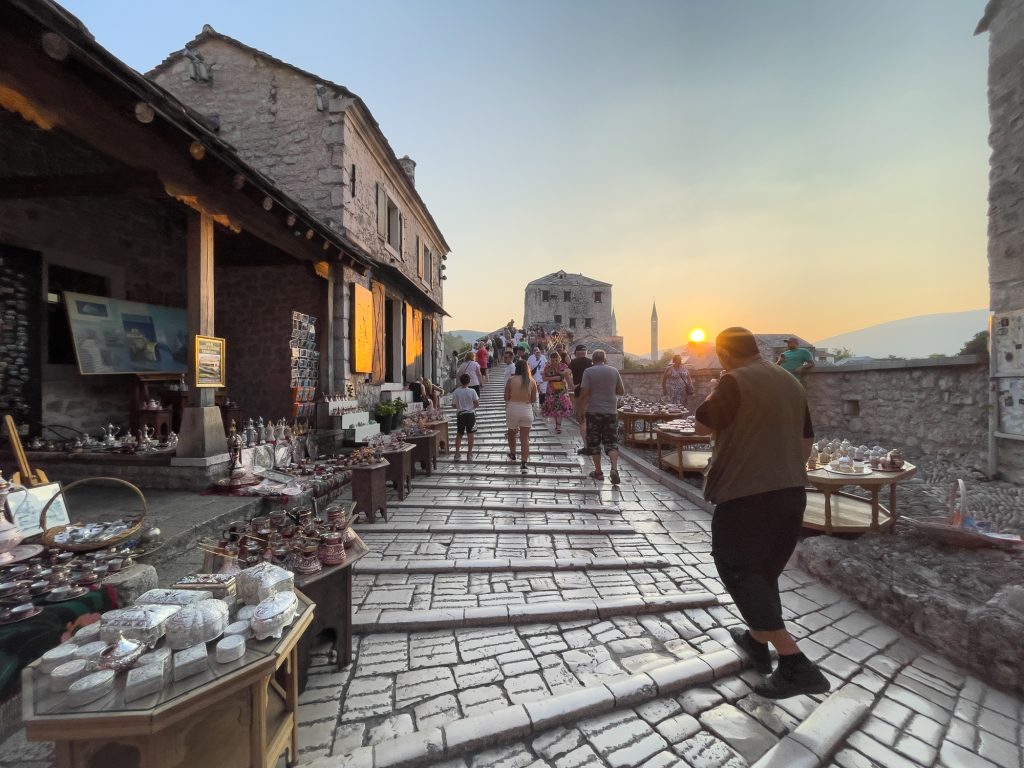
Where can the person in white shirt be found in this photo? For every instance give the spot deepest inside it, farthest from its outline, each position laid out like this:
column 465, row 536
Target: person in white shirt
column 536, row 363
column 509, row 362
column 466, row 401
column 472, row 369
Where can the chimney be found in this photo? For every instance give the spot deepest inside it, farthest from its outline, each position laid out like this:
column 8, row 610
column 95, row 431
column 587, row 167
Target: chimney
column 409, row 166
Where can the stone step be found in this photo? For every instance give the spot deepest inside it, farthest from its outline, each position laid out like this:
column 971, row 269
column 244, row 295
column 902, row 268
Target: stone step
column 485, row 506
column 366, row 622
column 529, row 720
column 533, row 475
column 403, row 565
column 509, row 463
column 611, row 529
column 425, row 484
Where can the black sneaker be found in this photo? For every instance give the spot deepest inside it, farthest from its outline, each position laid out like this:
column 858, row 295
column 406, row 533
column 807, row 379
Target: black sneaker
column 793, row 680
column 758, row 652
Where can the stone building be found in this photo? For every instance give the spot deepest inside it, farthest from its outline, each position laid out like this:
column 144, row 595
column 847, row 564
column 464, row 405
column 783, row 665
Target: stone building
column 1003, row 20
column 319, row 142
column 581, row 305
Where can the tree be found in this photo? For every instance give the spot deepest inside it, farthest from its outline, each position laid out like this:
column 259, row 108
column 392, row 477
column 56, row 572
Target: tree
column 978, row 345
column 454, row 343
column 842, row 353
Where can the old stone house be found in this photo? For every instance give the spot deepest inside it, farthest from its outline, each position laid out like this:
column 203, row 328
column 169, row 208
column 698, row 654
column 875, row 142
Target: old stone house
column 319, row 142
column 577, row 303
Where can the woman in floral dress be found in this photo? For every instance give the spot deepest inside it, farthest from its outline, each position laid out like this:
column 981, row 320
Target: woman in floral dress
column 557, row 402
column 675, row 383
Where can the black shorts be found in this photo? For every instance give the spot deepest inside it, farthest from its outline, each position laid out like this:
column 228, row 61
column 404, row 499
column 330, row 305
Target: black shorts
column 602, row 431
column 752, row 539
column 465, row 422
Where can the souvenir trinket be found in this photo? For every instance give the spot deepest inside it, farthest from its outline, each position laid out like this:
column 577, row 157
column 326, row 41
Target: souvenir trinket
column 190, row 661
column 230, row 648
column 332, row 548
column 91, row 687
column 91, row 651
column 197, row 623
column 259, row 582
column 144, row 680
column 160, row 657
column 121, row 654
column 308, row 557
column 63, row 676
column 173, row 596
column 240, row 628
column 273, row 615
column 146, row 623
column 54, row 657
column 219, row 585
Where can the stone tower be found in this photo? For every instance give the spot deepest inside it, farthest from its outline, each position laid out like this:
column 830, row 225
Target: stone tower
column 654, row 332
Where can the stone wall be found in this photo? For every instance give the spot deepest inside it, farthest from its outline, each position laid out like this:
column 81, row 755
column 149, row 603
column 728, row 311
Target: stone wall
column 933, row 407
column 254, row 308
column 581, row 305
column 269, row 113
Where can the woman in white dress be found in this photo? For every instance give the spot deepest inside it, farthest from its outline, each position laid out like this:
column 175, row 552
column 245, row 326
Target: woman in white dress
column 520, row 395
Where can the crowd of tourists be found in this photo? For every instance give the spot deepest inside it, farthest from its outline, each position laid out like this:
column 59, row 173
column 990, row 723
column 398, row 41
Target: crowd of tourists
column 758, row 416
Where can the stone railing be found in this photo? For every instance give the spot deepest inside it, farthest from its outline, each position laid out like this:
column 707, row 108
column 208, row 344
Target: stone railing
column 937, row 407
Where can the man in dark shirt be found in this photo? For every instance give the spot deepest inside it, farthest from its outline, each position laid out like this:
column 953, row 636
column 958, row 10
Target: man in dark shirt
column 577, row 366
column 762, row 427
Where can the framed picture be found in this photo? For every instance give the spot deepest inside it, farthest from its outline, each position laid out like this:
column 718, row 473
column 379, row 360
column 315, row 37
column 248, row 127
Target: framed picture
column 210, row 353
column 25, row 504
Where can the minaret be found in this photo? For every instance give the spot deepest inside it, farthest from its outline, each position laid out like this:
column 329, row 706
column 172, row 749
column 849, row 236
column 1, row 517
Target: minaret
column 654, row 332
column 615, row 325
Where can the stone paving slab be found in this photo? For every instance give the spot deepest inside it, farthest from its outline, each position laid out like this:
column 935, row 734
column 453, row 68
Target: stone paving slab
column 402, row 565
column 598, row 528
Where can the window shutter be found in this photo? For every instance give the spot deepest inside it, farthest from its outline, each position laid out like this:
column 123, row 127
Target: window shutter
column 401, row 234
column 419, row 256
column 382, row 211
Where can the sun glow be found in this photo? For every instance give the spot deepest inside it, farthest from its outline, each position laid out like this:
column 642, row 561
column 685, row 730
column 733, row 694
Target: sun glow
column 697, row 335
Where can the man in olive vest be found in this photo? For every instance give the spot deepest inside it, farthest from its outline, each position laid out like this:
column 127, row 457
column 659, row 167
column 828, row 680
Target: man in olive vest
column 762, row 428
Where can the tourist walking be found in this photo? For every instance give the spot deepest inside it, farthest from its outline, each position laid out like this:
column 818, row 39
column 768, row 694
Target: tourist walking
column 676, row 384
column 556, row 403
column 537, row 362
column 471, row 368
column 577, row 366
column 600, row 389
column 520, row 395
column 466, row 399
column 508, row 363
column 762, row 427
column 482, row 359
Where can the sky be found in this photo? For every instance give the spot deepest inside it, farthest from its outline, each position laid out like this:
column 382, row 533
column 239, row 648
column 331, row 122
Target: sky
column 804, row 166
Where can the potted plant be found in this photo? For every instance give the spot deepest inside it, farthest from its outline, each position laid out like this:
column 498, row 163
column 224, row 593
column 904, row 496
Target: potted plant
column 384, row 414
column 398, row 409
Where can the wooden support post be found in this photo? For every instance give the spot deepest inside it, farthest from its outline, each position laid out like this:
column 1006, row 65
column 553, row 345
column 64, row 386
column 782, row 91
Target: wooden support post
column 202, row 430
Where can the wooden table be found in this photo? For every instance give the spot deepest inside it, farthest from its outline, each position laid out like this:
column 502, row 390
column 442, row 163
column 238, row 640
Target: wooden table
column 331, row 591
column 237, row 715
column 850, row 514
column 425, row 452
column 369, row 490
column 645, row 436
column 669, row 445
column 400, row 471
column 441, row 427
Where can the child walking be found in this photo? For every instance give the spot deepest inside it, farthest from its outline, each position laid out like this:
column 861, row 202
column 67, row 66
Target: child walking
column 466, row 401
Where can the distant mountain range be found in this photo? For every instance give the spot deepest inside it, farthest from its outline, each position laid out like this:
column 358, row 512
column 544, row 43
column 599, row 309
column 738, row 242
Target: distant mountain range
column 944, row 333
column 468, row 336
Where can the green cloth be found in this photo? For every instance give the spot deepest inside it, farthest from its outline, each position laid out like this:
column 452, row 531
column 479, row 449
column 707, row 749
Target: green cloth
column 23, row 642
column 793, row 359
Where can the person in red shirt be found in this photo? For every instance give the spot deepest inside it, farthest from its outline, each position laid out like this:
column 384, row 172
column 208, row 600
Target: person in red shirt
column 481, row 360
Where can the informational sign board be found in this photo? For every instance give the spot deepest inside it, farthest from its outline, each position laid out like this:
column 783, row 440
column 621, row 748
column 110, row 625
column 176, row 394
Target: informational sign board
column 115, row 336
column 1008, row 344
column 210, row 361
column 25, row 504
column 1010, row 394
column 362, row 329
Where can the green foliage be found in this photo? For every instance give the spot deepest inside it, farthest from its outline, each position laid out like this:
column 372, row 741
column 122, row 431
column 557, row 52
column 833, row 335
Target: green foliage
column 978, row 345
column 842, row 353
column 387, row 408
column 453, row 343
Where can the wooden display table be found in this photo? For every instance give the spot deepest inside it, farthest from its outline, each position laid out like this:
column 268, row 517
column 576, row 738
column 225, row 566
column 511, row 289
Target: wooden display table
column 441, row 427
column 331, row 592
column 369, row 490
column 232, row 715
column 669, row 445
column 425, row 453
column 400, row 471
column 644, row 435
column 850, row 514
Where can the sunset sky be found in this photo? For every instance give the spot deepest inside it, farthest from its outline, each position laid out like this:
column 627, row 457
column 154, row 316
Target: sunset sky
column 788, row 165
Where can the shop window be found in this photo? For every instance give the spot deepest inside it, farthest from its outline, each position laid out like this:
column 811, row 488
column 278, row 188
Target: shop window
column 389, row 220
column 60, row 350
column 586, row 322
column 566, row 295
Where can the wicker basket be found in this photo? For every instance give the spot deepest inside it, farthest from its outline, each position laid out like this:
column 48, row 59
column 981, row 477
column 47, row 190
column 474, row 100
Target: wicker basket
column 948, row 529
column 49, row 534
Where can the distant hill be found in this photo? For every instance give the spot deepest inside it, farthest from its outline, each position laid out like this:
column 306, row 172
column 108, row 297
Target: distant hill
column 468, row 336
column 911, row 337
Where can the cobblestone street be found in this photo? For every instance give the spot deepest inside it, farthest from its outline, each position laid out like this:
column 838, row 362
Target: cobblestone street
column 548, row 620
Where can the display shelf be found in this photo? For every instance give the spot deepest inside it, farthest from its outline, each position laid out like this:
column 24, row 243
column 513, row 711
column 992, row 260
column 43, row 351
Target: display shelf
column 355, row 417
column 362, row 433
column 337, row 407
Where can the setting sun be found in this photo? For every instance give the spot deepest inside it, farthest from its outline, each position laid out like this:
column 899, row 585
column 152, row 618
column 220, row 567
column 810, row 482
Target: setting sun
column 697, row 335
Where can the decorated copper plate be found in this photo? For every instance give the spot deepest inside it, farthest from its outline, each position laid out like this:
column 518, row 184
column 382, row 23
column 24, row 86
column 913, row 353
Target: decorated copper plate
column 76, row 592
column 23, row 552
column 12, row 619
